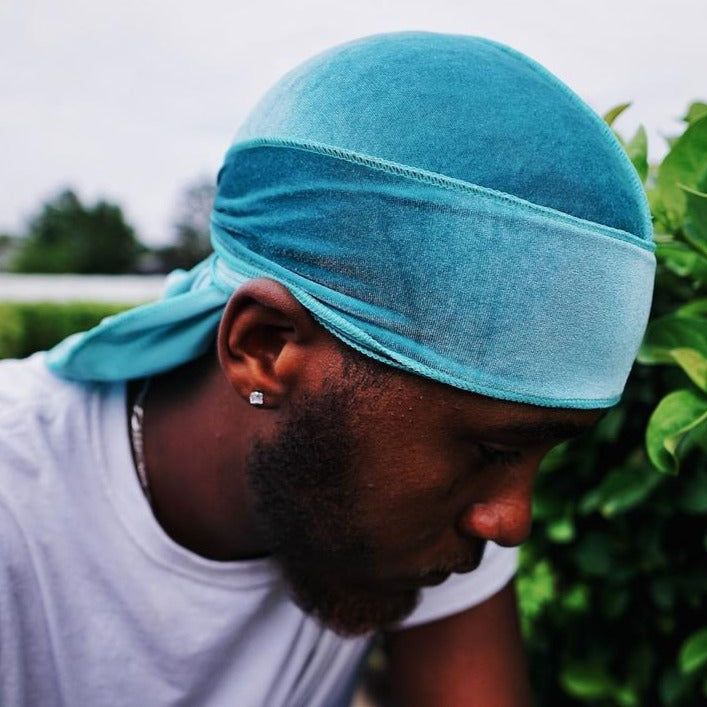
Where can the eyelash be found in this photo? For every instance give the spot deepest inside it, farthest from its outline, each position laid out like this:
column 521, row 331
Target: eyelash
column 501, row 457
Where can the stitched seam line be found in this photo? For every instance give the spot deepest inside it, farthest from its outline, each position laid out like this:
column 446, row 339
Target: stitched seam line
column 444, row 182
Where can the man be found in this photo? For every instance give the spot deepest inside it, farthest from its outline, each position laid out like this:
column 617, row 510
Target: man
column 432, row 263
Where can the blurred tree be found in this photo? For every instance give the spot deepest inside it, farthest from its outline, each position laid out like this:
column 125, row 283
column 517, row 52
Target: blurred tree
column 68, row 237
column 192, row 226
column 8, row 245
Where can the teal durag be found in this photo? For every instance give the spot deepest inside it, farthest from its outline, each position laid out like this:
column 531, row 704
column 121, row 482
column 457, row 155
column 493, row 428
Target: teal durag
column 440, row 203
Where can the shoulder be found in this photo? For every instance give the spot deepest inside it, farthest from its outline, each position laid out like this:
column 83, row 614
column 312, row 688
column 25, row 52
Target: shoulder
column 41, row 418
column 27, row 384
column 30, row 398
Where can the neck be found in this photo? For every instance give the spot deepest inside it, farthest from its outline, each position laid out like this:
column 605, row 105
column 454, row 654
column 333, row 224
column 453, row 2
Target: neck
column 197, row 433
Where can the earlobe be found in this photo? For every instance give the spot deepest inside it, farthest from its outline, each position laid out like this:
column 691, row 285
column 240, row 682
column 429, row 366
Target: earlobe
column 260, row 341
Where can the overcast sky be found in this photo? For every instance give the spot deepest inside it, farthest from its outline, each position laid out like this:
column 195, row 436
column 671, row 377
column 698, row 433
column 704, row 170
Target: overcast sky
column 133, row 100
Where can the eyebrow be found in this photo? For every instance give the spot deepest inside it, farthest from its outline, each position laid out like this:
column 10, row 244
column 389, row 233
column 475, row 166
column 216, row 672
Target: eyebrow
column 550, row 430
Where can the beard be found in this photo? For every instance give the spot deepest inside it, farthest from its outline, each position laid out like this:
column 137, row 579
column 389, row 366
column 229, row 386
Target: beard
column 309, row 504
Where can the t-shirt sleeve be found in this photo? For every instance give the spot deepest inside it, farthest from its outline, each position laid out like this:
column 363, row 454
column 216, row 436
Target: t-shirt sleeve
column 462, row 591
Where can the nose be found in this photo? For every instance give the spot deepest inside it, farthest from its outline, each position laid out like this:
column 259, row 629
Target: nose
column 506, row 520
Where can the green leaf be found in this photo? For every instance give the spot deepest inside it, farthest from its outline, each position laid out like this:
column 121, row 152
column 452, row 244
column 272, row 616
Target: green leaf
column 576, row 598
column 683, row 260
column 592, row 554
column 673, row 686
column 684, row 165
column 641, row 664
column 625, row 696
column 694, row 364
column 536, row 589
column 695, row 308
column 611, row 115
column 699, row 437
column 624, row 488
column 696, row 224
column 560, row 530
column 662, row 592
column 677, row 413
column 692, row 497
column 614, row 601
column 587, row 681
column 660, row 217
column 608, row 429
column 547, row 505
column 695, row 111
column 554, row 459
column 637, row 151
column 668, row 334
column 590, row 501
column 693, row 652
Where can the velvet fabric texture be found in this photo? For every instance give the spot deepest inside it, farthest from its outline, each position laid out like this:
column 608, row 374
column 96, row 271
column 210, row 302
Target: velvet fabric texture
column 440, row 203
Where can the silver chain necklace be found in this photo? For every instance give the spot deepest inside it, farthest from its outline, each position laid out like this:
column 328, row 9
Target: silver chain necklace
column 137, row 417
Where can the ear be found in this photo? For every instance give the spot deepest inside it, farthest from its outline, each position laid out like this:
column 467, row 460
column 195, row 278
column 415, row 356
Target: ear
column 263, row 340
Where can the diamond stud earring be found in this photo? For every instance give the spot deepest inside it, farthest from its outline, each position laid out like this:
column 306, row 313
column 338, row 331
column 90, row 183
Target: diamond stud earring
column 255, row 398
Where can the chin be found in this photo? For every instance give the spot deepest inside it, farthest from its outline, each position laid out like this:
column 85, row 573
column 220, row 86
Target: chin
column 351, row 610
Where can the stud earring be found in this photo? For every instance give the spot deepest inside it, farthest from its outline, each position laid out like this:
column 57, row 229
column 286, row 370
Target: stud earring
column 255, row 398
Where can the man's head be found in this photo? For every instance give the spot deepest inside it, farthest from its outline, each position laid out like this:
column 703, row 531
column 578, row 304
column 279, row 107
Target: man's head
column 372, row 482
column 445, row 206
column 441, row 203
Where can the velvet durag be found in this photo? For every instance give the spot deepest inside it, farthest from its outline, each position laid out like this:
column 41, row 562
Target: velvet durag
column 440, row 203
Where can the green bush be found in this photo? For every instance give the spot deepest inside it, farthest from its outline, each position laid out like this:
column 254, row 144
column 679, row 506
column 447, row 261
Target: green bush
column 613, row 581
column 26, row 327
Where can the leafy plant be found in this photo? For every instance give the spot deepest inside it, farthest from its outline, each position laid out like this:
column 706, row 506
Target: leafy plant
column 679, row 338
column 613, row 581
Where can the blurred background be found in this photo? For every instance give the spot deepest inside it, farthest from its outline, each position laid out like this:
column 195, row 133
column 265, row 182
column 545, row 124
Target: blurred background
column 114, row 118
column 136, row 102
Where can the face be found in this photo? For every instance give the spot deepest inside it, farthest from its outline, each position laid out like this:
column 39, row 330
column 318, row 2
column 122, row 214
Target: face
column 380, row 483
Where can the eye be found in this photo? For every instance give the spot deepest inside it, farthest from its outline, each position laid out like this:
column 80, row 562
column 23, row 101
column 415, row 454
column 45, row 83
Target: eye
column 499, row 456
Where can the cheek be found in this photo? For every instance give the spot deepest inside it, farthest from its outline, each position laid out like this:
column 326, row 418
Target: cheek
column 406, row 519
column 413, row 486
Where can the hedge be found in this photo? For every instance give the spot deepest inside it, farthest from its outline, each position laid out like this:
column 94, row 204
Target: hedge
column 26, row 327
column 613, row 582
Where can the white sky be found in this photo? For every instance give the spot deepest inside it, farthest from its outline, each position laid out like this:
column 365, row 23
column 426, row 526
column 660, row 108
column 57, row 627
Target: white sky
column 131, row 100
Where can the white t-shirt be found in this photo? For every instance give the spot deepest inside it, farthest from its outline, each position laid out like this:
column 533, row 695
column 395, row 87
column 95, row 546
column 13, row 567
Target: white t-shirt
column 98, row 606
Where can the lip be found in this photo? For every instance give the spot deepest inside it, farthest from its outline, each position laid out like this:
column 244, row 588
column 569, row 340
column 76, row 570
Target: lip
column 468, row 567
column 473, row 562
column 429, row 579
column 433, row 579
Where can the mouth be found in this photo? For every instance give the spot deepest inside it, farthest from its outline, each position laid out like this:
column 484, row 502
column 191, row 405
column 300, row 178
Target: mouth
column 438, row 575
column 432, row 576
column 467, row 567
column 435, row 577
column 432, row 579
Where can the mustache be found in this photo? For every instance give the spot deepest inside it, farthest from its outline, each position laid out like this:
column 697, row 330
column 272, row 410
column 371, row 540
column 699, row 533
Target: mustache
column 457, row 565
